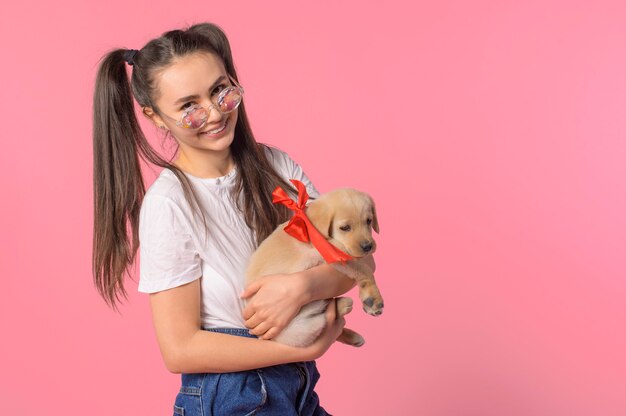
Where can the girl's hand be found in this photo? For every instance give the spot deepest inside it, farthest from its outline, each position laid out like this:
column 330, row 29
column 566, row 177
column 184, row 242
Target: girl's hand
column 334, row 327
column 277, row 300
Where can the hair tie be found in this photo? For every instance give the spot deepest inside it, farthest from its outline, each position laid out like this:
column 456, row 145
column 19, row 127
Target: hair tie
column 129, row 56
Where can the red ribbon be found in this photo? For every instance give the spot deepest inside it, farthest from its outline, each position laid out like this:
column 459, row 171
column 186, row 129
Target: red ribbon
column 301, row 228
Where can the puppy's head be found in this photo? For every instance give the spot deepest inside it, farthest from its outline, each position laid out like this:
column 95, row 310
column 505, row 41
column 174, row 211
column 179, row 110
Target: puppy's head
column 347, row 218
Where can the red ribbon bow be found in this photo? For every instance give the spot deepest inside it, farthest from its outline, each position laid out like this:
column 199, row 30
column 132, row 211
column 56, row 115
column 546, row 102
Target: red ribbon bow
column 301, row 228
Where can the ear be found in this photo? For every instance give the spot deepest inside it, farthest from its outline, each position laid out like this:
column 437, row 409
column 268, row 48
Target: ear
column 154, row 117
column 374, row 216
column 321, row 216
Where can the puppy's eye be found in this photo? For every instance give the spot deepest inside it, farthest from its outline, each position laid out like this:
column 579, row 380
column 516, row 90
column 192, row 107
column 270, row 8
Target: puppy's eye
column 345, row 228
column 369, row 221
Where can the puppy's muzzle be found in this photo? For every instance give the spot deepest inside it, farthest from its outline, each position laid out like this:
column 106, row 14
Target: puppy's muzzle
column 366, row 246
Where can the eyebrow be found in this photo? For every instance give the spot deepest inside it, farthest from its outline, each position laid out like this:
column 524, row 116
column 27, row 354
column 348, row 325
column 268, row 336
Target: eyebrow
column 194, row 97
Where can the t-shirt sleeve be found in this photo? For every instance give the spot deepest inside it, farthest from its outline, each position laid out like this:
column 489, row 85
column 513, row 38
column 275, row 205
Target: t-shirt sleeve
column 292, row 170
column 168, row 255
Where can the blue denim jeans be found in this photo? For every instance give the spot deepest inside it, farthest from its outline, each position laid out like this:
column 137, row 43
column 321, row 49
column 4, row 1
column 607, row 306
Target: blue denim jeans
column 280, row 390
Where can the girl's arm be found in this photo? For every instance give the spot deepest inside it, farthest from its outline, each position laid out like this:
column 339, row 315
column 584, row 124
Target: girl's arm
column 186, row 348
column 278, row 298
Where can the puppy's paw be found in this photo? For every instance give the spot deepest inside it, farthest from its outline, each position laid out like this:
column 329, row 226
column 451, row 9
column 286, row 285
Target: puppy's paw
column 344, row 306
column 373, row 305
column 358, row 341
column 351, row 337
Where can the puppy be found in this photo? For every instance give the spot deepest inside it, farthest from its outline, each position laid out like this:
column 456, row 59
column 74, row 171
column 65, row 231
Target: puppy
column 345, row 217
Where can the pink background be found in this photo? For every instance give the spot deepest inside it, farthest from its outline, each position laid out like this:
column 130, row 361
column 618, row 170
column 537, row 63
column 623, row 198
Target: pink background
column 490, row 133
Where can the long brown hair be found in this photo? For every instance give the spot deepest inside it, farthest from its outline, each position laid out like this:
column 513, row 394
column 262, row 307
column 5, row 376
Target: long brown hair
column 118, row 142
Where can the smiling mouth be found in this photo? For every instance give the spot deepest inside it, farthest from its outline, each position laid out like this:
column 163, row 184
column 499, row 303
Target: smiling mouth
column 219, row 129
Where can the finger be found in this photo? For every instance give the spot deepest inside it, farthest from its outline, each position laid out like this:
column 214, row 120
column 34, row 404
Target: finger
column 251, row 290
column 331, row 311
column 338, row 327
column 253, row 321
column 249, row 310
column 271, row 333
column 260, row 329
column 341, row 323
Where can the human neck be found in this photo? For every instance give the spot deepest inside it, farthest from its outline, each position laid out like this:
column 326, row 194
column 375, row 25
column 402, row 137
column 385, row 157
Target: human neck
column 205, row 165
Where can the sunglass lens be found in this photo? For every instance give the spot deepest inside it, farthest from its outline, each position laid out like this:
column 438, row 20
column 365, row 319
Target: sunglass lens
column 230, row 100
column 195, row 118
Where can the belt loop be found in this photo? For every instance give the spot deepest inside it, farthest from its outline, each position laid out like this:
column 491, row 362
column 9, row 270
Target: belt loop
column 307, row 385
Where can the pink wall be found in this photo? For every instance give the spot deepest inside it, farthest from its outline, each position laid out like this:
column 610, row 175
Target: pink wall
column 491, row 134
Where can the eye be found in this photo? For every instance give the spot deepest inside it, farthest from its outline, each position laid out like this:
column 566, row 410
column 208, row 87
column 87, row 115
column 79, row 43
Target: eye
column 369, row 221
column 186, row 105
column 218, row 89
column 345, row 228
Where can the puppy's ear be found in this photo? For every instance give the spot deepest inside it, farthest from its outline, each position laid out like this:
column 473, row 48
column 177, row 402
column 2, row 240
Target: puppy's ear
column 321, row 216
column 374, row 216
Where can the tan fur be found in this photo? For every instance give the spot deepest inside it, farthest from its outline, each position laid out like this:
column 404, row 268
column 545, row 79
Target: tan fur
column 282, row 253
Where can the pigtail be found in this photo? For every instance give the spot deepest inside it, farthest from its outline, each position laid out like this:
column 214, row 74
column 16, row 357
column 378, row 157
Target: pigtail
column 118, row 184
column 119, row 143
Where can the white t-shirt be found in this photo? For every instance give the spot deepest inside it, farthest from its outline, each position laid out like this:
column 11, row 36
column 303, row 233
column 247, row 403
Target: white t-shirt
column 175, row 248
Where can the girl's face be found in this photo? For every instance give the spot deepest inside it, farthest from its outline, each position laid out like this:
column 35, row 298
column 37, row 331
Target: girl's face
column 194, row 79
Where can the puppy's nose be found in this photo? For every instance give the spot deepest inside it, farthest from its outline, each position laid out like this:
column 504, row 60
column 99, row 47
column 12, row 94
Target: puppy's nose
column 366, row 246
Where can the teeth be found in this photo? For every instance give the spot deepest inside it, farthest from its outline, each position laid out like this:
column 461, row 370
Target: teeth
column 219, row 129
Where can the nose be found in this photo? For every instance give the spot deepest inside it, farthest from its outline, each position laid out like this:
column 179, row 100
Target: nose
column 366, row 246
column 213, row 113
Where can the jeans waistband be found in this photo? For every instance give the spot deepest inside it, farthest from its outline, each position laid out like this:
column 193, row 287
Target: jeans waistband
column 240, row 332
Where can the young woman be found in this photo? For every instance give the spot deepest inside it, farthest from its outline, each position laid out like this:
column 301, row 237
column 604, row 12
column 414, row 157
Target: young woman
column 198, row 224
